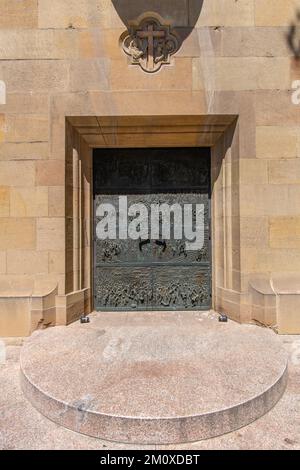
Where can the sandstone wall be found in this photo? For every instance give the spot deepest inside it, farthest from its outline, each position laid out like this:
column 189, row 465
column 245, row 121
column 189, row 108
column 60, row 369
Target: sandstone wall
column 62, row 58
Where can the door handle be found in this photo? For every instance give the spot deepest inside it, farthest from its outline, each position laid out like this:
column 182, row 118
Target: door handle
column 161, row 243
column 142, row 243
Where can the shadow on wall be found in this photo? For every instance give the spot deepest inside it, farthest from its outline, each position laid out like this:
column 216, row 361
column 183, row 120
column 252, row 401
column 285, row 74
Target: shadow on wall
column 293, row 37
column 182, row 14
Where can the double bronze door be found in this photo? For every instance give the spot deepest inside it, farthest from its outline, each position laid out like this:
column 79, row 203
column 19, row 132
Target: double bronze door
column 151, row 273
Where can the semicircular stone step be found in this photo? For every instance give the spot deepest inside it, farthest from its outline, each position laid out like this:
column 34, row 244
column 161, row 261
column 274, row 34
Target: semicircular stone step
column 154, row 378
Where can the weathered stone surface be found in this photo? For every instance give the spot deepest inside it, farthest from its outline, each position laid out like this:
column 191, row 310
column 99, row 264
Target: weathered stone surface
column 178, row 78
column 50, row 234
column 16, row 14
column 284, row 171
column 35, row 75
column 30, row 103
column 15, row 316
column 90, row 75
column 50, row 173
column 279, row 13
column 56, row 201
column 41, row 44
column 57, row 262
column 289, row 314
column 222, row 12
column 29, row 202
column 251, row 73
column 17, row 233
column 24, row 151
column 269, row 200
column 275, row 108
column 106, row 13
column 2, row 262
column 27, row 262
column 275, row 142
column 253, row 171
column 26, row 128
column 266, row 42
column 18, row 173
column 280, row 260
column 2, row 127
column 4, row 201
column 285, row 232
column 254, row 232
column 74, row 14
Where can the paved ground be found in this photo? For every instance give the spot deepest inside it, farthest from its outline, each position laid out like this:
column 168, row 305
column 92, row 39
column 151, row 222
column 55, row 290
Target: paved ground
column 22, row 427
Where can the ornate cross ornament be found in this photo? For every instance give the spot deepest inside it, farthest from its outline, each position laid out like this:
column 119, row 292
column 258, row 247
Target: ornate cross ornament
column 150, row 44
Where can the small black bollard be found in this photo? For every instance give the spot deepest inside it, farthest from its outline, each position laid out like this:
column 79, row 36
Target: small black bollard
column 223, row 318
column 84, row 319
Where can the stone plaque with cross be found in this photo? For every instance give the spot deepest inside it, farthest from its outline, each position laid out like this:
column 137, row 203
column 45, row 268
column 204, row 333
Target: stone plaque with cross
column 150, row 44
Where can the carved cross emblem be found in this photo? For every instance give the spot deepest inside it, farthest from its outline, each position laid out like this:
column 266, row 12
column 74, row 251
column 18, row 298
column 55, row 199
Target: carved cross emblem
column 150, row 44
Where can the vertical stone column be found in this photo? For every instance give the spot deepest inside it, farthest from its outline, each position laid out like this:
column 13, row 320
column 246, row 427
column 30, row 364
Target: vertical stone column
column 76, row 221
column 80, row 228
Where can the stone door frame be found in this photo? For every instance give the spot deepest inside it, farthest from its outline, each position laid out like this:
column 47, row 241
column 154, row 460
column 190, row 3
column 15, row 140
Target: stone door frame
column 84, row 133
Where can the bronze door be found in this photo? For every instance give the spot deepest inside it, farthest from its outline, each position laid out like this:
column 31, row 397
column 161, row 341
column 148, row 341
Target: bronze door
column 151, row 274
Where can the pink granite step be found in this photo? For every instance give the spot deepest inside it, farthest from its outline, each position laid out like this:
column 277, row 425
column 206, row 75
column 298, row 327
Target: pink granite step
column 154, row 378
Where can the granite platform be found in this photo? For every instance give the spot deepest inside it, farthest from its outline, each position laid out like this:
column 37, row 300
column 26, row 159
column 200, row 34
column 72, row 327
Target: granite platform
column 154, row 378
